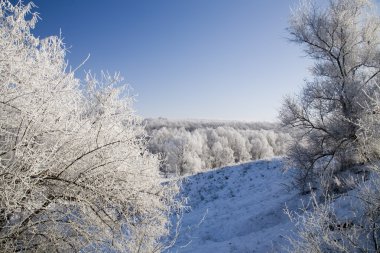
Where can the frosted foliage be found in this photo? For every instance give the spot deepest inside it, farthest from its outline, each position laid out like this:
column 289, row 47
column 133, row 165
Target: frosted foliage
column 237, row 143
column 343, row 40
column 338, row 118
column 348, row 222
column 370, row 126
column 74, row 171
column 260, row 147
column 189, row 150
column 221, row 155
column 339, row 224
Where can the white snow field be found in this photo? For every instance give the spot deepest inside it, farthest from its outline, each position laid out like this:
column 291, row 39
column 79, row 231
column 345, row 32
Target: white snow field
column 238, row 209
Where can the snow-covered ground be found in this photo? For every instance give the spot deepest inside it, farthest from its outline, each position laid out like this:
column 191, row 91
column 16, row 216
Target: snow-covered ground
column 238, row 209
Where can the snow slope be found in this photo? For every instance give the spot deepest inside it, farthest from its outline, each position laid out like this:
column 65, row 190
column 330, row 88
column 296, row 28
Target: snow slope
column 238, row 209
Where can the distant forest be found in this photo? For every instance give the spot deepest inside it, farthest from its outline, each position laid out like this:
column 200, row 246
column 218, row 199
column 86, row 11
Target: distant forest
column 190, row 146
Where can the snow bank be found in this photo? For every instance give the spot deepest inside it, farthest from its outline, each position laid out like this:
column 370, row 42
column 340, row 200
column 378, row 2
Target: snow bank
column 238, row 209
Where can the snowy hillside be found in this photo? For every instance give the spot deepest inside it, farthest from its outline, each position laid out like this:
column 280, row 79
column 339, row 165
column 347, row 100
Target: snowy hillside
column 238, row 209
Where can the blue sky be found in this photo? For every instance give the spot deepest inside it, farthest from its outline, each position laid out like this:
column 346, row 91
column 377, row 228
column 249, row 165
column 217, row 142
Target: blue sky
column 207, row 59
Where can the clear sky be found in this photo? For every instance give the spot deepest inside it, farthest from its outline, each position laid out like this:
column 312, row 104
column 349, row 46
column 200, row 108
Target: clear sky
column 197, row 59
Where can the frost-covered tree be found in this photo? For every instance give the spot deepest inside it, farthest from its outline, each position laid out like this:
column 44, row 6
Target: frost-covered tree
column 349, row 223
column 189, row 151
column 222, row 155
column 237, row 143
column 74, row 171
column 343, row 40
column 260, row 147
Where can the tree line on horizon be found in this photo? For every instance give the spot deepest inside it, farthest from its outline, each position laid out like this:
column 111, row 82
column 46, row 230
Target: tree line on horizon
column 192, row 146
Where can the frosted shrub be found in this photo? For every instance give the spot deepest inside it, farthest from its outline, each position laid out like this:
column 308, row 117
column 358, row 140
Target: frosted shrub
column 346, row 224
column 74, row 171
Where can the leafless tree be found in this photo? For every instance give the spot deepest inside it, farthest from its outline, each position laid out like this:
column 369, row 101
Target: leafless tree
column 343, row 40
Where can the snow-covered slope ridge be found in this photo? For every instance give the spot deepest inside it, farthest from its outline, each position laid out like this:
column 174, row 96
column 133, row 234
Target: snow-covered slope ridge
column 238, row 209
